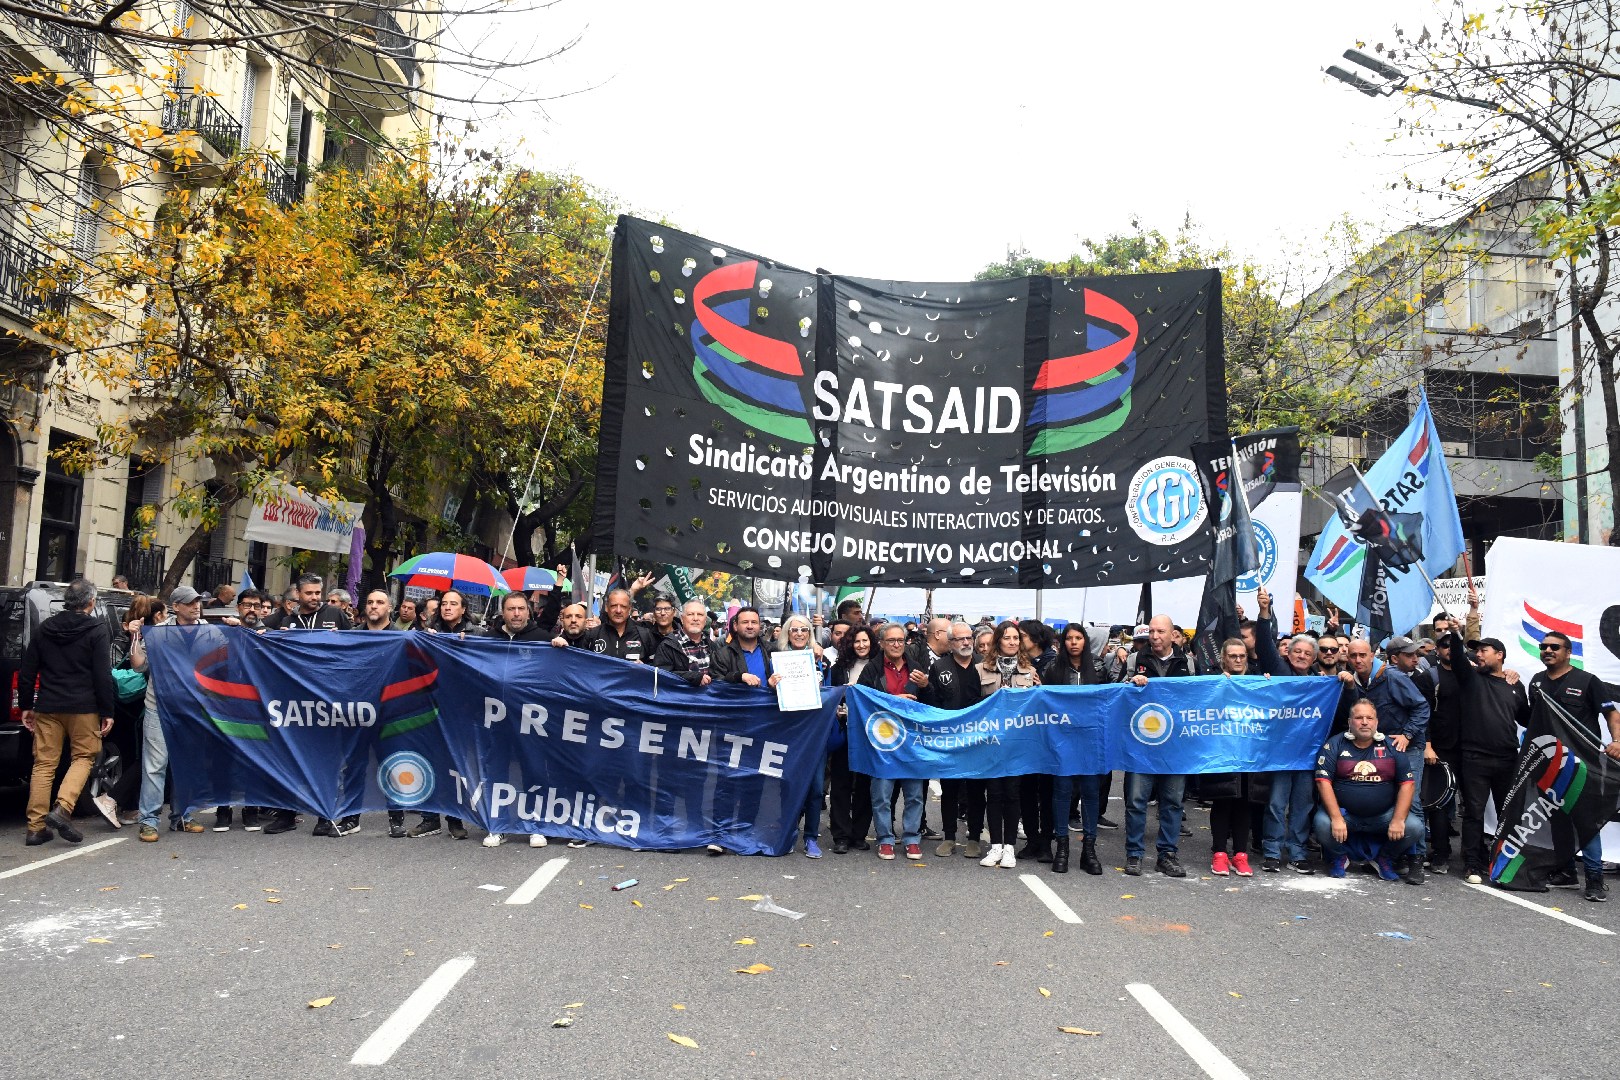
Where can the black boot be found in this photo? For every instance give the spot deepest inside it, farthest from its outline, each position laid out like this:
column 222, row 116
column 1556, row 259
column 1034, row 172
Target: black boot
column 1088, row 857
column 1060, row 858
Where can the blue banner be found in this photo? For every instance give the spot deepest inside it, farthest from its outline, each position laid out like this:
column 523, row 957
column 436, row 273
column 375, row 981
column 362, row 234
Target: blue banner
column 1207, row 724
column 513, row 737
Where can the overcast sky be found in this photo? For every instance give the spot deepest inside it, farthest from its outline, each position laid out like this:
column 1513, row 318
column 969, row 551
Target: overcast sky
column 921, row 141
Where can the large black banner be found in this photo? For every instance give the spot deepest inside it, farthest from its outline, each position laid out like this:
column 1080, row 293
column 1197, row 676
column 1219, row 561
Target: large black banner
column 1037, row 431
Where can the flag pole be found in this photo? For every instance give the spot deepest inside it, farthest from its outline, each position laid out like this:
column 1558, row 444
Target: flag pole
column 1376, row 501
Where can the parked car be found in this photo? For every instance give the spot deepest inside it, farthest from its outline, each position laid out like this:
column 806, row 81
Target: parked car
column 21, row 612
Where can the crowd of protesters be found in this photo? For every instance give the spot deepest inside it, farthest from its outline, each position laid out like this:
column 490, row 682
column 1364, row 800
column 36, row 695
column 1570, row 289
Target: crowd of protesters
column 1443, row 707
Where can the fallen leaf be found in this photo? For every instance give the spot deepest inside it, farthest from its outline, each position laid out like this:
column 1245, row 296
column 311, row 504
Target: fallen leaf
column 359, row 888
column 683, row 879
column 1044, row 991
column 745, row 941
column 638, row 903
column 334, row 946
column 682, row 1039
column 805, row 945
column 1049, row 933
column 98, row 941
column 146, row 956
column 575, row 1005
column 668, row 887
column 109, row 888
column 410, row 952
column 751, row 896
column 588, row 907
column 1001, row 963
column 1128, row 896
column 1233, row 993
column 1078, row 1031
column 563, row 1021
column 272, row 899
column 321, row 1003
column 679, row 1006
column 755, row 969
column 711, row 898
column 1547, row 985
column 239, row 907
column 272, row 890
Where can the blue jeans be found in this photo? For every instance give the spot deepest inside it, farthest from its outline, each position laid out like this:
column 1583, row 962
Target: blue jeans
column 813, row 803
column 1412, row 758
column 1371, row 830
column 1139, row 788
column 154, row 766
column 911, row 797
column 1288, row 814
column 1090, row 786
column 1592, row 857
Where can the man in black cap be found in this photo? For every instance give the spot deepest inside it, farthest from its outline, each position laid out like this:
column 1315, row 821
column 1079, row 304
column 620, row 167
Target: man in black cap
column 1494, row 706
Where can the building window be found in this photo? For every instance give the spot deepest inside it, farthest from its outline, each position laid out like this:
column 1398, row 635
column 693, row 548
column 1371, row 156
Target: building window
column 60, row 503
column 1490, row 415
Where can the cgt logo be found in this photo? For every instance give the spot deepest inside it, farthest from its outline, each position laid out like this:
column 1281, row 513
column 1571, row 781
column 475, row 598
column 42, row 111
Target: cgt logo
column 885, row 732
column 1165, row 502
column 1152, row 725
column 406, row 778
column 1265, row 545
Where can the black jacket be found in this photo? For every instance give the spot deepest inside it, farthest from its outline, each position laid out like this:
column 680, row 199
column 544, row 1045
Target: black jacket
column 671, row 656
column 636, row 643
column 1177, row 665
column 952, row 686
column 1492, row 709
column 531, row 632
column 730, row 665
column 327, row 617
column 71, row 656
column 1062, row 673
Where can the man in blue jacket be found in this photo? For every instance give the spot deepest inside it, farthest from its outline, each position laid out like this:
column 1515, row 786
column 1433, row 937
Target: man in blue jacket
column 1403, row 713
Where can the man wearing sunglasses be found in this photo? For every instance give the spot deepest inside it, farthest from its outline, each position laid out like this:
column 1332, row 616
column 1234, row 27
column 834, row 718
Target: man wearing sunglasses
column 1330, row 658
column 1584, row 699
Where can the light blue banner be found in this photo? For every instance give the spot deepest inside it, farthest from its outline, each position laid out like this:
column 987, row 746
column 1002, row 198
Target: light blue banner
column 1208, row 724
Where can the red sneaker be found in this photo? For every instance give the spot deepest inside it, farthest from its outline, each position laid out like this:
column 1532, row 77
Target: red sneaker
column 913, row 851
column 885, row 851
column 1220, row 866
column 1240, row 865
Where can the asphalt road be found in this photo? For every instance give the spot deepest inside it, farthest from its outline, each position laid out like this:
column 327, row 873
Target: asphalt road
column 197, row 956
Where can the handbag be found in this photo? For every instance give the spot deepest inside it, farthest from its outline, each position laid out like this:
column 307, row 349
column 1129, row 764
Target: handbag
column 130, row 684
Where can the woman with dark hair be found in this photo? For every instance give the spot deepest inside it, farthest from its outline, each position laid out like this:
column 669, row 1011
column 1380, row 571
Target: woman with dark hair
column 1075, row 665
column 851, row 812
column 1034, row 806
column 1006, row 668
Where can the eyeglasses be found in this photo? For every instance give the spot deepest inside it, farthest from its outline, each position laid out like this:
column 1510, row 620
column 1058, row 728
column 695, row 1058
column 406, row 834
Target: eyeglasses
column 1551, row 647
column 1330, row 648
column 799, row 630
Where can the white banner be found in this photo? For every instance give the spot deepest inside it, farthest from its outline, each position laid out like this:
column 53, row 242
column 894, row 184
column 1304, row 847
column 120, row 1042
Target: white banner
column 1276, row 538
column 1453, row 594
column 1176, row 597
column 1541, row 586
column 294, row 519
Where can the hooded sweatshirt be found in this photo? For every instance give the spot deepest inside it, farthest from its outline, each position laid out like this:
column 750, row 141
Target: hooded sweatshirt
column 70, row 654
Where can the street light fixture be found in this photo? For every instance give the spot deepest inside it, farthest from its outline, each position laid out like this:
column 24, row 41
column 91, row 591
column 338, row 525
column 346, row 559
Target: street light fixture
column 1395, row 75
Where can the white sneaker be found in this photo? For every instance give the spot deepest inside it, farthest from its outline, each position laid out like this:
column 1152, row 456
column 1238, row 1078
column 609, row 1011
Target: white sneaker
column 992, row 857
column 536, row 840
column 1475, row 879
column 1008, row 856
column 494, row 839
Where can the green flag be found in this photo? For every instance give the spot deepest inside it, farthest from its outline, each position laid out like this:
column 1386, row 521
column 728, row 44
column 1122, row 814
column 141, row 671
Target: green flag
column 676, row 581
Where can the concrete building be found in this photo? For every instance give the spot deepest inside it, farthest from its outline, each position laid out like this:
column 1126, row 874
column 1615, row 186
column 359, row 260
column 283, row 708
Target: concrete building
column 322, row 99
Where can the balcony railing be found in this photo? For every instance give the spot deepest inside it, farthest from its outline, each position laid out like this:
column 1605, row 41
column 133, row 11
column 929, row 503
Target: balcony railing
column 394, row 42
column 283, row 183
column 76, row 46
column 20, row 265
column 212, row 122
column 143, row 566
column 209, row 572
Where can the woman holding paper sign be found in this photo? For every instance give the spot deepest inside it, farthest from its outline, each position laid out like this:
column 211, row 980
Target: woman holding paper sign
column 1006, row 668
column 796, row 636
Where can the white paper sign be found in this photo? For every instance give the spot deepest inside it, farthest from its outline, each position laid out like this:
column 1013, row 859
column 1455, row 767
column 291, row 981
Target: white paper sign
column 798, row 683
column 293, row 519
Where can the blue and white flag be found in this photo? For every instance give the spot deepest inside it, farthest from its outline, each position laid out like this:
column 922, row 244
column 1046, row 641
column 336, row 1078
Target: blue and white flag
column 1411, row 478
column 1206, row 724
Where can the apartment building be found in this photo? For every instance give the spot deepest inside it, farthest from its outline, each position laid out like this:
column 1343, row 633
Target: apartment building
column 358, row 80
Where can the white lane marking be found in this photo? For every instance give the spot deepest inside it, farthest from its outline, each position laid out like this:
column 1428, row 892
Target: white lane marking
column 1549, row 912
column 75, row 853
column 526, row 892
column 1044, row 892
column 1203, row 1052
column 409, row 1016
